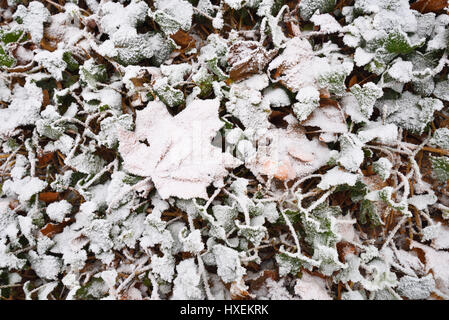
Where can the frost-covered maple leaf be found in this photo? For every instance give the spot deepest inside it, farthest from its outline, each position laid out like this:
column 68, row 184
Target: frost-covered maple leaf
column 176, row 152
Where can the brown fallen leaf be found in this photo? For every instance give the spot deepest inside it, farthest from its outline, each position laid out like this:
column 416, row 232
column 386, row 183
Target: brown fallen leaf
column 279, row 170
column 46, row 98
column 239, row 291
column 289, row 155
column 436, row 262
column 352, row 81
column 257, row 283
column 13, row 204
column 425, row 6
column 247, row 58
column 48, row 197
column 183, row 39
column 344, row 248
column 48, row 45
column 312, row 286
column 50, row 229
column 184, row 177
column 324, row 93
column 329, row 118
column 44, row 159
column 139, row 82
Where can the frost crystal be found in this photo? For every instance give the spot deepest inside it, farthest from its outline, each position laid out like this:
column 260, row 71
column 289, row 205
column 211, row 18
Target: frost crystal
column 416, row 289
column 58, row 210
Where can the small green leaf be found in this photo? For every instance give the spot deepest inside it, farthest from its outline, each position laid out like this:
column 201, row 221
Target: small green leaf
column 72, row 64
column 440, row 167
column 10, row 37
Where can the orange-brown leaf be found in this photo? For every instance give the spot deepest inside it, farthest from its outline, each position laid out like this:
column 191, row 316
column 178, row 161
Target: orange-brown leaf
column 425, row 6
column 44, row 159
column 13, row 204
column 51, row 229
column 344, row 248
column 352, row 81
column 47, row 45
column 183, row 39
column 46, row 98
column 49, row 196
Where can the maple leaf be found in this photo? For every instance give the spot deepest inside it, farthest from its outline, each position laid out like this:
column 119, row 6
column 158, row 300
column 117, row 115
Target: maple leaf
column 176, row 152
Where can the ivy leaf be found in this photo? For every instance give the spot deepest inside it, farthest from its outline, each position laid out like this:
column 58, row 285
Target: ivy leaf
column 91, row 73
column 173, row 15
column 441, row 138
column 23, row 109
column 351, row 154
column 410, row 111
column 115, row 16
column 366, row 97
column 309, row 7
column 299, row 66
column 369, row 211
column 129, row 47
column 440, row 167
column 337, row 176
column 228, row 263
column 170, row 96
column 187, row 283
column 32, row 19
column 5, row 59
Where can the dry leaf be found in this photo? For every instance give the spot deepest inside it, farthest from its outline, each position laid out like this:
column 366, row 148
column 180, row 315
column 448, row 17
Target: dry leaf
column 44, row 158
column 287, row 154
column 48, row 197
column 50, row 229
column 176, row 152
column 352, row 81
column 248, row 57
column 264, row 275
column 48, row 44
column 441, row 241
column 239, row 291
column 183, row 39
column 425, row 6
column 46, row 98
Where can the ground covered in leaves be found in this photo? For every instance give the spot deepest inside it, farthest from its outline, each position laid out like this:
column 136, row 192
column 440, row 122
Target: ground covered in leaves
column 224, row 149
